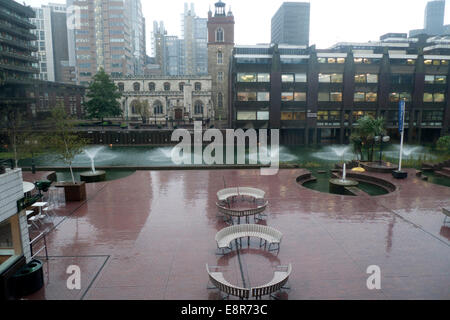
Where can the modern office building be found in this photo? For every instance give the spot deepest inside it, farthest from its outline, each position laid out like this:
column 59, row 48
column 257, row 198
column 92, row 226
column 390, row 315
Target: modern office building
column 220, row 48
column 195, row 36
column 290, row 24
column 52, row 44
column 316, row 96
column 108, row 35
column 434, row 17
column 433, row 20
column 170, row 98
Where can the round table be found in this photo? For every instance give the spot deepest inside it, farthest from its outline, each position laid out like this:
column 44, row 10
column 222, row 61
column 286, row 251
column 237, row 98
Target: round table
column 27, row 188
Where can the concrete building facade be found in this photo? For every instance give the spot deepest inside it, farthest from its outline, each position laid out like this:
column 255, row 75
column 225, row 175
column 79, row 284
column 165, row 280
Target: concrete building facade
column 290, row 24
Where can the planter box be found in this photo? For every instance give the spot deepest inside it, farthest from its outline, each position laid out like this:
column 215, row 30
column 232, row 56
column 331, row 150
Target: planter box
column 73, row 192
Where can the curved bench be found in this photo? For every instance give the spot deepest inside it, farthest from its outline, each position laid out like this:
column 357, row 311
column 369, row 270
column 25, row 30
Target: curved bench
column 236, row 213
column 224, row 194
column 270, row 235
column 218, row 280
column 278, row 282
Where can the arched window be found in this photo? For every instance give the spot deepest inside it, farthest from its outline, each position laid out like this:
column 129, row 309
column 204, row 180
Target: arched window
column 121, row 86
column 219, row 57
column 134, row 105
column 151, row 86
column 198, row 107
column 181, row 85
column 220, row 100
column 198, row 86
column 219, row 35
column 136, row 86
column 157, row 108
column 166, row 86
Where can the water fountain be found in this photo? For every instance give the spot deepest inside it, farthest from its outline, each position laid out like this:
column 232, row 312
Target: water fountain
column 339, row 186
column 93, row 175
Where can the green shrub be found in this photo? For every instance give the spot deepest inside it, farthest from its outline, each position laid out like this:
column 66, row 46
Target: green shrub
column 443, row 144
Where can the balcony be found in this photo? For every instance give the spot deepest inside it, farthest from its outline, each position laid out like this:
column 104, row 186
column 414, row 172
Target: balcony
column 24, row 22
column 18, row 68
column 18, row 44
column 18, row 56
column 11, row 29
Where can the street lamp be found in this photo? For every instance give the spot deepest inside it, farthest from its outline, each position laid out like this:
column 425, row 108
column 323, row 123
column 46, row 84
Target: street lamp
column 382, row 139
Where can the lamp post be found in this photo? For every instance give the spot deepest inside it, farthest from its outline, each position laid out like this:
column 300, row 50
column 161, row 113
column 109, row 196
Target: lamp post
column 382, row 139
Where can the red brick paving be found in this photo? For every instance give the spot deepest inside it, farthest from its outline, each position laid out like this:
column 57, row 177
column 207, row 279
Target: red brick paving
column 149, row 236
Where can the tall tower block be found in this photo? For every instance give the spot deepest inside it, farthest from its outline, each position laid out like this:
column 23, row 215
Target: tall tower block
column 220, row 49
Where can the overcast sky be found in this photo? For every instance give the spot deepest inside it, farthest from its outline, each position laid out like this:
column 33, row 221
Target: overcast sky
column 331, row 20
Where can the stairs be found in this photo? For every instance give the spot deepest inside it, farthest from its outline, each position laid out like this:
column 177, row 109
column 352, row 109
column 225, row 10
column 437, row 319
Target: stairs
column 443, row 172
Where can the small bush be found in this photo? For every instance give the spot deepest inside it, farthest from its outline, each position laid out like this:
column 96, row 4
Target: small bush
column 443, row 144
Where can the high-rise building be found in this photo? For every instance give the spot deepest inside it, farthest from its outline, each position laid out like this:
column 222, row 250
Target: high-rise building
column 52, row 43
column 195, row 34
column 433, row 21
column 108, row 35
column 434, row 17
column 220, row 49
column 290, row 24
column 16, row 59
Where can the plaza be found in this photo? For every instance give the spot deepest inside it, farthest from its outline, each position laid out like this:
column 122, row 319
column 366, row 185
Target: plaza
column 149, row 236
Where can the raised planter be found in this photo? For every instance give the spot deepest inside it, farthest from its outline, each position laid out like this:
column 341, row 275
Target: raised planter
column 73, row 191
column 29, row 279
column 399, row 174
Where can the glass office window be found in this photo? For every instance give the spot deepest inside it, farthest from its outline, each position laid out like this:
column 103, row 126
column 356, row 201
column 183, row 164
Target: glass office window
column 301, row 77
column 246, row 115
column 246, row 96
column 359, row 97
column 299, row 115
column 287, row 96
column 336, row 96
column 427, row 97
column 372, row 78
column 322, row 60
column 440, row 79
column 429, row 79
column 405, row 96
column 439, row 97
column 262, row 115
column 371, row 96
column 246, row 77
column 263, row 96
column 324, row 96
column 337, row 78
column 263, row 77
column 324, row 78
column 287, row 77
column 360, row 78
column 300, row 96
column 287, row 115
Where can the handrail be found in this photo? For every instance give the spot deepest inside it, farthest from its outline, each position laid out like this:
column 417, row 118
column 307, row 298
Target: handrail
column 35, row 240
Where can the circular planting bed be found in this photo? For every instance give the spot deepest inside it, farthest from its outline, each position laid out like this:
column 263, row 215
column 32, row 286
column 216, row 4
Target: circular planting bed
column 356, row 184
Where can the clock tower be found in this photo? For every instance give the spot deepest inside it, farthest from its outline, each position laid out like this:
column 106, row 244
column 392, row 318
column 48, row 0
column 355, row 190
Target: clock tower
column 220, row 50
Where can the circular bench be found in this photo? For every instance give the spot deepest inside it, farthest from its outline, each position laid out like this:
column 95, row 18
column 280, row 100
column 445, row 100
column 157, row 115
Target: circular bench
column 278, row 282
column 267, row 234
column 243, row 213
column 225, row 194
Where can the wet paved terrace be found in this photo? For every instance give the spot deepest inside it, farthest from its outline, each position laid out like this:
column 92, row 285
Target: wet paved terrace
column 149, row 236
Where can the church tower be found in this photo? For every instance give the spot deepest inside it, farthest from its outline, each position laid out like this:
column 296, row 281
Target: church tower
column 220, row 49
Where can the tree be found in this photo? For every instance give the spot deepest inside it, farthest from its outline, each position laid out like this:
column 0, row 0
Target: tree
column 363, row 138
column 63, row 140
column 11, row 118
column 142, row 108
column 443, row 144
column 29, row 144
column 103, row 97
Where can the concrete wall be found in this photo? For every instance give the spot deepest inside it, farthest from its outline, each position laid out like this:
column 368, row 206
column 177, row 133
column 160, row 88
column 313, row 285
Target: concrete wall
column 11, row 190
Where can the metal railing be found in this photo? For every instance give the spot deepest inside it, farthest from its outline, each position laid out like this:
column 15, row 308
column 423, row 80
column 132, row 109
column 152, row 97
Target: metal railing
column 42, row 236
